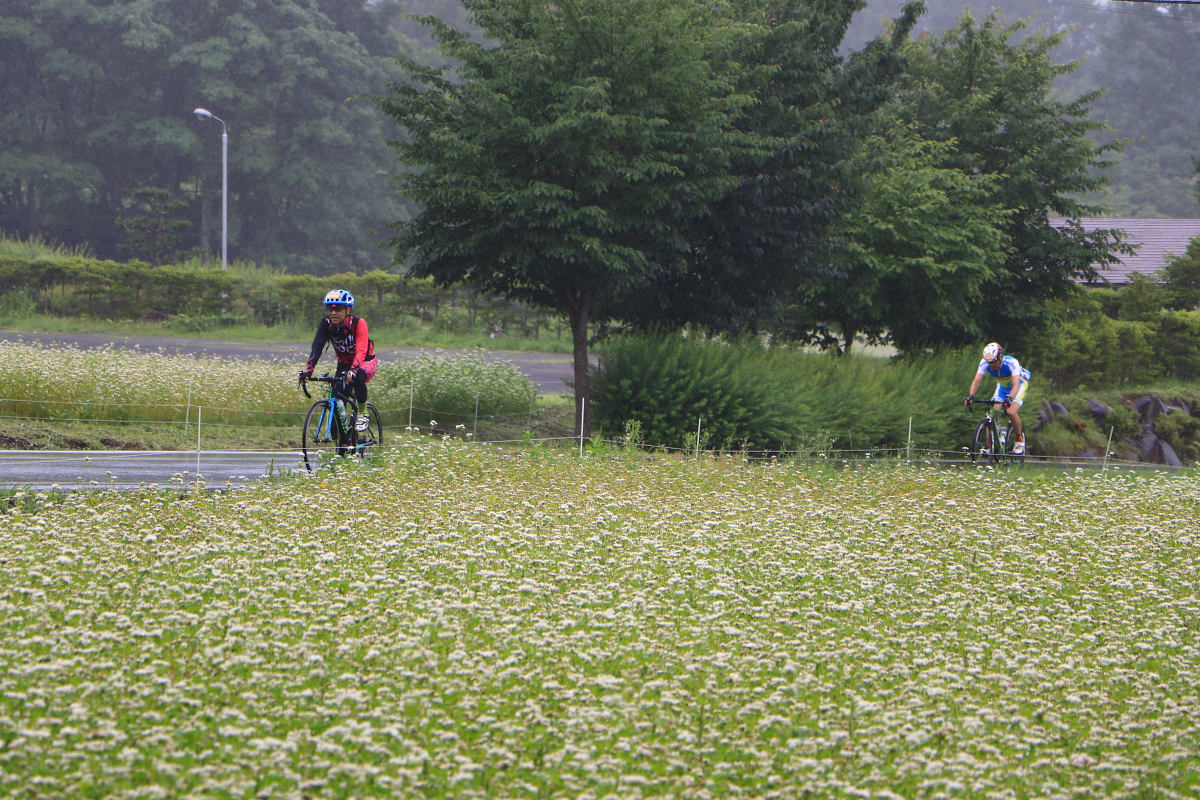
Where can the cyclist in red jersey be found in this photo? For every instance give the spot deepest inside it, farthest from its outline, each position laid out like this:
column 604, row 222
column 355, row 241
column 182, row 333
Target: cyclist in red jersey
column 356, row 362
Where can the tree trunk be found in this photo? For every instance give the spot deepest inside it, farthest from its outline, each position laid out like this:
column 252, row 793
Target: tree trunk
column 849, row 331
column 578, row 315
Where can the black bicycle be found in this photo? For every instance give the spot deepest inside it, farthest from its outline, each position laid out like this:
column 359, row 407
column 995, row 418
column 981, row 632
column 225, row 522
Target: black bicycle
column 335, row 426
column 993, row 441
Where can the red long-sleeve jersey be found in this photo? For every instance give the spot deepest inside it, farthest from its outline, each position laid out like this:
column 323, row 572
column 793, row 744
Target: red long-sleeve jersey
column 351, row 342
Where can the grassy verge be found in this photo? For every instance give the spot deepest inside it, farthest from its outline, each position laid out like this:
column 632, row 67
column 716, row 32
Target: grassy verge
column 411, row 335
column 487, row 623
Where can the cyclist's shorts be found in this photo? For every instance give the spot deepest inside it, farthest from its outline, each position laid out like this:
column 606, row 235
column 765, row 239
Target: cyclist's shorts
column 1003, row 391
column 368, row 368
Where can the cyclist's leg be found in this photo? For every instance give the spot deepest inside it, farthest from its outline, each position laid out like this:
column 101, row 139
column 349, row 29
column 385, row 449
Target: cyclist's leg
column 365, row 372
column 1014, row 412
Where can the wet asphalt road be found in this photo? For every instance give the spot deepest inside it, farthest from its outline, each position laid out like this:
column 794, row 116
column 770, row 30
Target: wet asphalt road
column 550, row 371
column 40, row 470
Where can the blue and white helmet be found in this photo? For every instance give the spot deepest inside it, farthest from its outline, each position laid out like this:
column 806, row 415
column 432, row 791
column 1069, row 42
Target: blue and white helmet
column 339, row 297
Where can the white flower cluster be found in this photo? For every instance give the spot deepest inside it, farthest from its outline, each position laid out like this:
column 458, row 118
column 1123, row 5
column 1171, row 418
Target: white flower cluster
column 465, row 622
column 62, row 382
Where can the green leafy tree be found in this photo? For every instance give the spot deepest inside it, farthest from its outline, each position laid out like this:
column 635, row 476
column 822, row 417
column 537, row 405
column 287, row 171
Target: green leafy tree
column 561, row 162
column 152, row 226
column 1181, row 279
column 773, row 230
column 915, row 255
column 991, row 93
column 96, row 101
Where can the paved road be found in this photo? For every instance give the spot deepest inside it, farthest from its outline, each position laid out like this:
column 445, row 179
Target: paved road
column 550, row 371
column 130, row 469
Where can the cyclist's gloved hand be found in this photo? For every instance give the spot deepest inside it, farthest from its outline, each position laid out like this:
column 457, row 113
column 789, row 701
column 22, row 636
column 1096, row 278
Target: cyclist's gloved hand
column 305, row 374
column 1006, row 404
column 970, row 401
column 349, row 377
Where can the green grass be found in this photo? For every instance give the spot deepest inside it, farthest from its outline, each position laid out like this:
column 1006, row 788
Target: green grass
column 479, row 622
column 412, row 334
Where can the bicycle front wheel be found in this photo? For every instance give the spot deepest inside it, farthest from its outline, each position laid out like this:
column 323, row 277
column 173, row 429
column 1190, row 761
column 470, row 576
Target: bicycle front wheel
column 983, row 447
column 321, row 440
column 368, row 430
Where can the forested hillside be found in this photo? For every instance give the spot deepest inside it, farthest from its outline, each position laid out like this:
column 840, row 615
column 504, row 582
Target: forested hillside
column 98, row 141
column 100, row 147
column 1143, row 56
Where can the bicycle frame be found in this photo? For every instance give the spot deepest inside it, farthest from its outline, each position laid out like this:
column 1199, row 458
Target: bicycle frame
column 326, row 425
column 997, row 433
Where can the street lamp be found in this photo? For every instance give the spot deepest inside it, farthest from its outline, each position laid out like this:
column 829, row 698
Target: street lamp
column 204, row 113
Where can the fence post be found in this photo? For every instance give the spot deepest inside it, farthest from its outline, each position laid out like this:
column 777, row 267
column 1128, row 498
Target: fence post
column 475, row 426
column 910, row 438
column 698, row 421
column 582, row 422
column 411, row 390
column 1107, row 448
column 199, row 414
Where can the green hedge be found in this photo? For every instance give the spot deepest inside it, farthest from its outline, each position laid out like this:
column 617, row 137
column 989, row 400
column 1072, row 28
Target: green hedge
column 75, row 286
column 69, row 285
column 1093, row 350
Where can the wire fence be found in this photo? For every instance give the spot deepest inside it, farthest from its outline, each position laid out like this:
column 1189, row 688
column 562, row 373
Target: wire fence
column 523, row 429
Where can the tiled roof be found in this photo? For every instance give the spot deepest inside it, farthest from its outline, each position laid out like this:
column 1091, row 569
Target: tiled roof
column 1155, row 239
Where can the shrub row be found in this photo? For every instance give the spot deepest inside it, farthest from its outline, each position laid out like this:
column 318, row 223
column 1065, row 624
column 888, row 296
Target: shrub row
column 742, row 396
column 1092, row 349
column 205, row 298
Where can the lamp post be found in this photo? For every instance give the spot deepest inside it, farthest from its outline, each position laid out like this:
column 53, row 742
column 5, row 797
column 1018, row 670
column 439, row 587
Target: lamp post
column 203, row 113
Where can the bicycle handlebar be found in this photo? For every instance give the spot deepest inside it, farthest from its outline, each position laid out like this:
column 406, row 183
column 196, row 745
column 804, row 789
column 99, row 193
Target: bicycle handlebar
column 319, row 379
column 988, row 402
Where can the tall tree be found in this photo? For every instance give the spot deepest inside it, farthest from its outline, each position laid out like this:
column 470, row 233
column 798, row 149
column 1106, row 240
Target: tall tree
column 561, row 162
column 152, row 226
column 97, row 99
column 913, row 257
column 990, row 92
column 776, row 227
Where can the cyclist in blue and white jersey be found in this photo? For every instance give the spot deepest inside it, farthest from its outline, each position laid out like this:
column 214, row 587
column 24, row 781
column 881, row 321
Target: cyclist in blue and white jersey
column 1012, row 381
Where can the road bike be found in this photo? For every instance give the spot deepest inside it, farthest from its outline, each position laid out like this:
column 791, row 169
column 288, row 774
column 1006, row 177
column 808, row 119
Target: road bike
column 335, row 426
column 993, row 441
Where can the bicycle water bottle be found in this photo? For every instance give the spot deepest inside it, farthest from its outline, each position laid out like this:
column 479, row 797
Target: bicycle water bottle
column 1003, row 437
column 341, row 411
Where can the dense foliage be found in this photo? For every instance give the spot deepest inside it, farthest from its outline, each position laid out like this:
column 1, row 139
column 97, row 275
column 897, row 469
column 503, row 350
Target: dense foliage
column 96, row 105
column 988, row 93
column 1126, row 337
column 1140, row 56
column 745, row 397
column 561, row 162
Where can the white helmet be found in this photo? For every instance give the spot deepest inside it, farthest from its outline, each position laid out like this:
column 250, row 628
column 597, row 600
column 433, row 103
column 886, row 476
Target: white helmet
column 992, row 352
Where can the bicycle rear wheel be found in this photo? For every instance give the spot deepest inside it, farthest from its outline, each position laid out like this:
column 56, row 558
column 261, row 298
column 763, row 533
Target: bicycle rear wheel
column 321, row 439
column 1010, row 441
column 370, row 437
column 983, row 446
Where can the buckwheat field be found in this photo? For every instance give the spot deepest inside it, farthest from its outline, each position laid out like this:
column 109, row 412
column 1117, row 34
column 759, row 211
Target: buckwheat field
column 461, row 621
